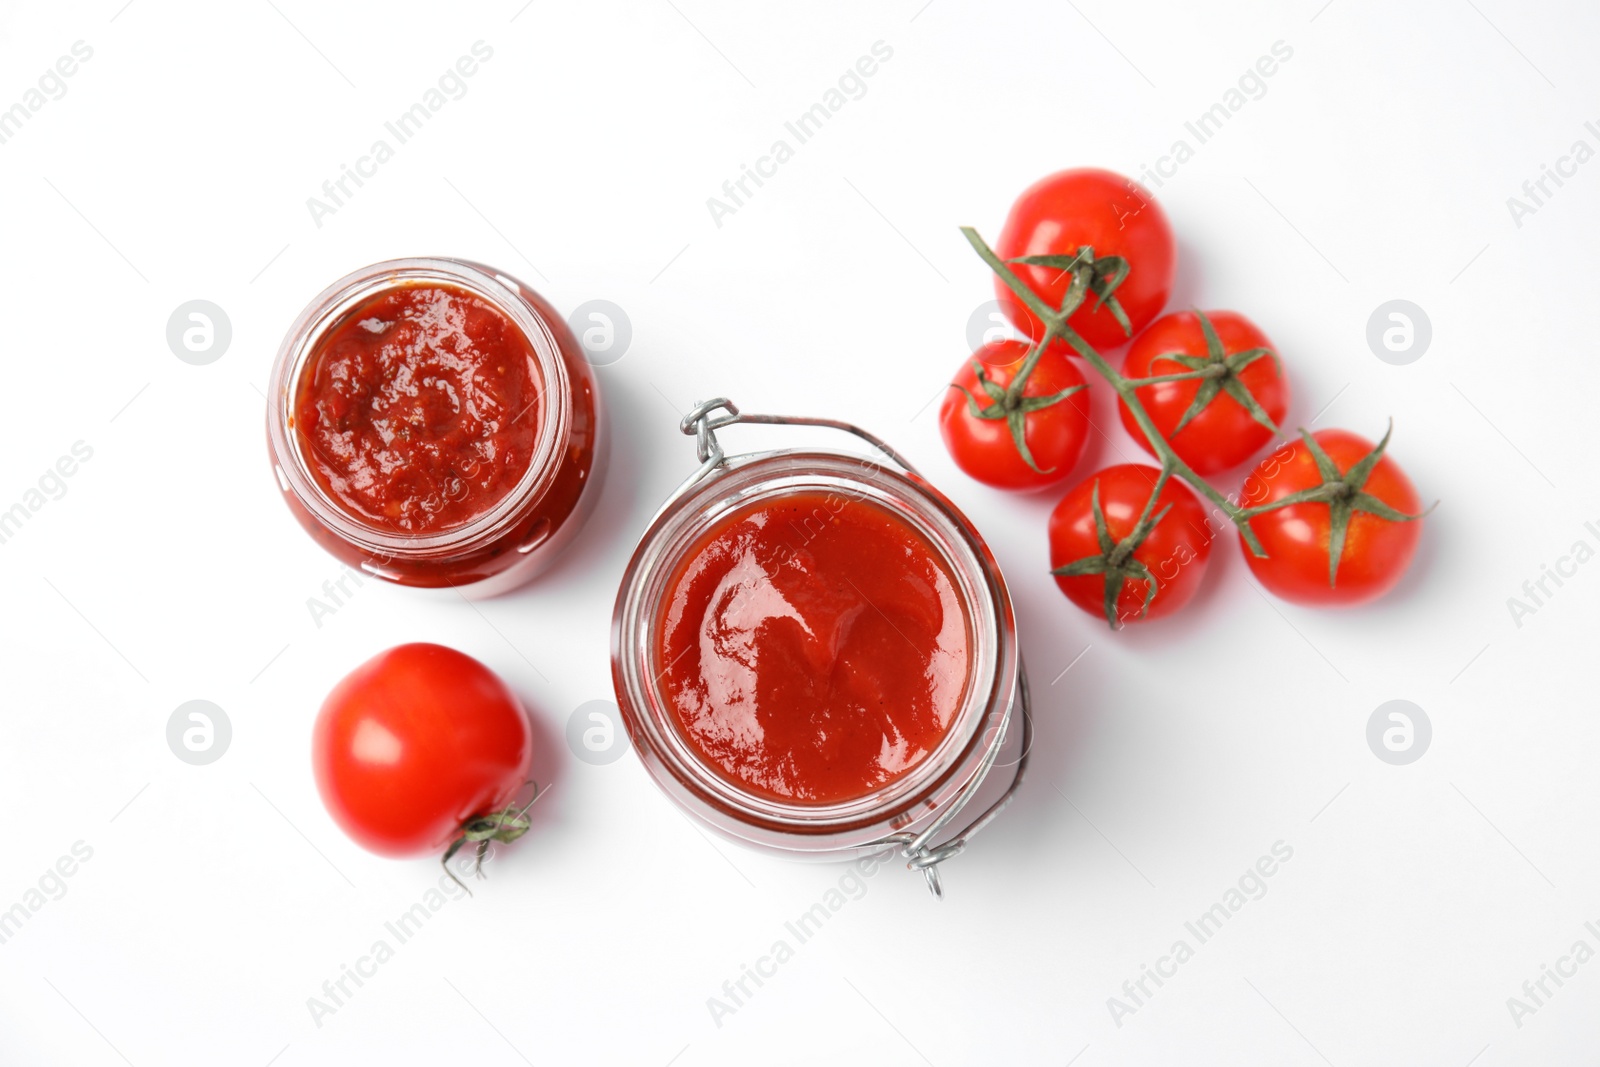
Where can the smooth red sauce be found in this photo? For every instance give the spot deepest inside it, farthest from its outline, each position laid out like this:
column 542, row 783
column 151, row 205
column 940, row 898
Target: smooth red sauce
column 419, row 409
column 814, row 647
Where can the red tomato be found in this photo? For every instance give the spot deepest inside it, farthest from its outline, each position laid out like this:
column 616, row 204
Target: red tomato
column 1222, row 432
column 1115, row 216
column 1377, row 548
column 414, row 744
column 986, row 446
column 1173, row 554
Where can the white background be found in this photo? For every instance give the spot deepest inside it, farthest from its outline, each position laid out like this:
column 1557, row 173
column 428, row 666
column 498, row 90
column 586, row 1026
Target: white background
column 219, row 898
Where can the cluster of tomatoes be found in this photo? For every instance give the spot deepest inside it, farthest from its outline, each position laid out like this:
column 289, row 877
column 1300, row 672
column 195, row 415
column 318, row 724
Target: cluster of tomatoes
column 1084, row 264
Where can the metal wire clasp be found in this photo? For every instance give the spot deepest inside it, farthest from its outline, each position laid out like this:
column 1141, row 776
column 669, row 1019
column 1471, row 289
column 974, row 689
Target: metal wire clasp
column 920, row 853
column 701, row 424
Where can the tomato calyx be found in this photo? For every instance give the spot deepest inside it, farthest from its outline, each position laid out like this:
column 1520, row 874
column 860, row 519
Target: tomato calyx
column 1345, row 494
column 1009, row 404
column 503, row 826
column 1101, row 276
column 1218, row 372
column 1115, row 559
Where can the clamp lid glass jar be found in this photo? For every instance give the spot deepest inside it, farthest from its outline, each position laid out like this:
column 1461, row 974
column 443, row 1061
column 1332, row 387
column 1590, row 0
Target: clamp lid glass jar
column 435, row 423
column 815, row 653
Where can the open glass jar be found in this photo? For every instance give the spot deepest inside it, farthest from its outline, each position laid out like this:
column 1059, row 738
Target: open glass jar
column 481, row 545
column 930, row 807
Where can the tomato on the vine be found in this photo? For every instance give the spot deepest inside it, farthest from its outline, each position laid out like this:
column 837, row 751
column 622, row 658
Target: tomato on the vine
column 1092, row 217
column 1026, row 441
column 1129, row 544
column 422, row 748
column 1353, row 529
column 1086, row 260
column 1217, row 422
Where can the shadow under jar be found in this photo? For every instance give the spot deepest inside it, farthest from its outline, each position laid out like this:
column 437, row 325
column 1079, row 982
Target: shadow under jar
column 435, row 423
column 815, row 653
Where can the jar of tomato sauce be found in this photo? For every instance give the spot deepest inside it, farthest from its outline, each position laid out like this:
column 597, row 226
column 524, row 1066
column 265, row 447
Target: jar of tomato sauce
column 435, row 423
column 815, row 653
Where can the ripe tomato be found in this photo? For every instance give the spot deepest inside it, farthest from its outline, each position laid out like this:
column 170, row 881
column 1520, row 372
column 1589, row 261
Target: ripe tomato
column 1367, row 493
column 1104, row 570
column 1051, row 416
column 416, row 743
column 1089, row 208
column 1229, row 417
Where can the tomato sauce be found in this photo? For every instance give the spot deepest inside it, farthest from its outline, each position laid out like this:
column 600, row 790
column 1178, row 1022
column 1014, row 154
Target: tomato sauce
column 814, row 647
column 418, row 411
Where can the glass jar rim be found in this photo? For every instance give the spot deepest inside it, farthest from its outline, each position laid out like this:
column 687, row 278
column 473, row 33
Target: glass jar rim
column 992, row 668
column 326, row 310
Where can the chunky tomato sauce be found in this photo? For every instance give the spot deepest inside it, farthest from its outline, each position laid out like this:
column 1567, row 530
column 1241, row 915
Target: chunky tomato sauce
column 813, row 647
column 419, row 409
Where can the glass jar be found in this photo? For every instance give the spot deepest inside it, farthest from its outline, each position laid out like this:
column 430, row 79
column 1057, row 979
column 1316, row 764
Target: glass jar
column 517, row 536
column 918, row 812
